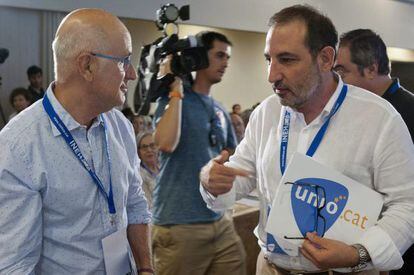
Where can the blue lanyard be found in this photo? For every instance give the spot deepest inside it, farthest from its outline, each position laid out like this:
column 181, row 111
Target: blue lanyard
column 394, row 87
column 154, row 175
column 76, row 151
column 317, row 139
column 271, row 244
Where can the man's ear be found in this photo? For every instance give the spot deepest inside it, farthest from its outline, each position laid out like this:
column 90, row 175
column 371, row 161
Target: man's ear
column 85, row 66
column 371, row 71
column 326, row 58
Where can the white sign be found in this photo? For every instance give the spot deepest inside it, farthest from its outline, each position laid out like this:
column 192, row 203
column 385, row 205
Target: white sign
column 312, row 197
column 116, row 256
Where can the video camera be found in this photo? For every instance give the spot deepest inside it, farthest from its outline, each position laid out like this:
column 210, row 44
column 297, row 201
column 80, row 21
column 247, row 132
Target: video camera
column 188, row 55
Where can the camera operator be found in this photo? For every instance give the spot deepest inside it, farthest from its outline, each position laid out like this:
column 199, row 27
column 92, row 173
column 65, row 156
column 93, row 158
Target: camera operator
column 191, row 128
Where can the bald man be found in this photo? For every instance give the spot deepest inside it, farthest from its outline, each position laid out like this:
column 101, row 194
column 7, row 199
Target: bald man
column 68, row 164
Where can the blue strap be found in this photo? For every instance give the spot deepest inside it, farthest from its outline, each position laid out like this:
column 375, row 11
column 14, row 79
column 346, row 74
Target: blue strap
column 394, row 87
column 319, row 136
column 76, row 151
column 146, row 168
column 271, row 243
column 317, row 139
column 284, row 141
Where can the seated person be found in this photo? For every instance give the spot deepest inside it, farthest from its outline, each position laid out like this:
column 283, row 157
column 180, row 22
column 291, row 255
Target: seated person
column 148, row 153
column 20, row 100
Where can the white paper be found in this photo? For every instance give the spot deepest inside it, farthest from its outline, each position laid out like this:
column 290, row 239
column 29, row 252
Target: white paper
column 350, row 207
column 115, row 250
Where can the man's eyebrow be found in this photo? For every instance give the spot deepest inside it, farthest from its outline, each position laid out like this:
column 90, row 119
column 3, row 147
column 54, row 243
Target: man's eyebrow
column 223, row 52
column 286, row 54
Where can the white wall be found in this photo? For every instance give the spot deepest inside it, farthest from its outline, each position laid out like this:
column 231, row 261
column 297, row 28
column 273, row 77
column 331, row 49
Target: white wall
column 245, row 79
column 244, row 82
column 393, row 20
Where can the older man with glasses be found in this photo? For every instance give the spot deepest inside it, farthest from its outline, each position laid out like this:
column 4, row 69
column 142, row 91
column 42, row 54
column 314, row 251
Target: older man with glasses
column 76, row 184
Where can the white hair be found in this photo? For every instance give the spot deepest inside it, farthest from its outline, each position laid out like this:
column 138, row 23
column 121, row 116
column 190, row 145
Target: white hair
column 68, row 45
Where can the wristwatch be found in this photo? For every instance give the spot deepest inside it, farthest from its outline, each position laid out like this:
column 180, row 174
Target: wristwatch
column 364, row 257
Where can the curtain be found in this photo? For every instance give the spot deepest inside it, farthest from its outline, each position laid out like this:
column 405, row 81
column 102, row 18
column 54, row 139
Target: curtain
column 49, row 25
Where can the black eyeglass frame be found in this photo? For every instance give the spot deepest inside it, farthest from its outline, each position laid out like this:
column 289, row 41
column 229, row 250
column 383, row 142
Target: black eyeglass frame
column 318, row 208
column 151, row 146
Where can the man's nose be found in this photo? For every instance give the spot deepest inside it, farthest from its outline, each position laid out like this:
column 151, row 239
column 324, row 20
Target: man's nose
column 131, row 73
column 274, row 72
column 226, row 61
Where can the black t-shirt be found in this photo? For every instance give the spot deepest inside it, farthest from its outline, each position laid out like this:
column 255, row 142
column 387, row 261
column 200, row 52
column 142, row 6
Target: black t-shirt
column 35, row 95
column 403, row 102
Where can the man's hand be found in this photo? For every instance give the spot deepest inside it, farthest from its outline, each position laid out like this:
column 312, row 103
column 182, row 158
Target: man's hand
column 327, row 253
column 164, row 69
column 217, row 178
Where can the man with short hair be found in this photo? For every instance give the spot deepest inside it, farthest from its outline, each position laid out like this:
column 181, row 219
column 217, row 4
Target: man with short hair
column 191, row 128
column 77, row 181
column 364, row 138
column 35, row 76
column 362, row 61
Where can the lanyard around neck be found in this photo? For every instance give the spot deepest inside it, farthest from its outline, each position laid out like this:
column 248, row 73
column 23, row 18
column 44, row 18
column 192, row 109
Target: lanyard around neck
column 394, row 87
column 317, row 139
column 54, row 117
column 146, row 168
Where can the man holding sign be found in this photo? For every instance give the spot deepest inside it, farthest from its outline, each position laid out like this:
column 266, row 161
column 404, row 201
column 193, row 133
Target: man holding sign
column 342, row 127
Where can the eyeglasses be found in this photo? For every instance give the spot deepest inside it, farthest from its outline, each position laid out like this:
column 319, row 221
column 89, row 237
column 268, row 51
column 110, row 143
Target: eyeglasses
column 319, row 225
column 146, row 146
column 125, row 61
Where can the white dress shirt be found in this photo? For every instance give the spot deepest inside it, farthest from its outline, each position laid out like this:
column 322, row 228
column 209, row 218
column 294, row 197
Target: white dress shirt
column 366, row 140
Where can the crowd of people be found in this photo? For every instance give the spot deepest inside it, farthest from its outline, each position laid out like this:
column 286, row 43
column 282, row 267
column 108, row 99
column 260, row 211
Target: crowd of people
column 21, row 98
column 162, row 184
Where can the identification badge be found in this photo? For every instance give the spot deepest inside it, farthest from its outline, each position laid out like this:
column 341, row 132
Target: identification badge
column 116, row 256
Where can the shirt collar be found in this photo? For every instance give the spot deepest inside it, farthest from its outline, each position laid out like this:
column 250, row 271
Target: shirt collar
column 328, row 106
column 394, row 81
column 66, row 118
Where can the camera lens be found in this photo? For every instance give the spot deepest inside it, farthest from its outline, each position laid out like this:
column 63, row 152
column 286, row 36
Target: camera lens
column 171, row 13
